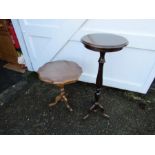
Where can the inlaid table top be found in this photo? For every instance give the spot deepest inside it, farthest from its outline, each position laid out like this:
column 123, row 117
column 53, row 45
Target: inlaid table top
column 60, row 72
column 104, row 41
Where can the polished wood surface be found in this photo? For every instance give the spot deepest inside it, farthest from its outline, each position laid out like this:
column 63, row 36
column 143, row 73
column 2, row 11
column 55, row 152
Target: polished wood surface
column 60, row 72
column 104, row 42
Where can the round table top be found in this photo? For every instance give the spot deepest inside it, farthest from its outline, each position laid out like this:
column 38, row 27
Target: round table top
column 60, row 72
column 104, row 42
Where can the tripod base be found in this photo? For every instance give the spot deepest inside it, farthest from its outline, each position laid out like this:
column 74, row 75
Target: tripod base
column 61, row 97
column 94, row 108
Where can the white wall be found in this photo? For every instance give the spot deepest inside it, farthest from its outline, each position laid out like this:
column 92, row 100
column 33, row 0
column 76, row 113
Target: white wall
column 133, row 68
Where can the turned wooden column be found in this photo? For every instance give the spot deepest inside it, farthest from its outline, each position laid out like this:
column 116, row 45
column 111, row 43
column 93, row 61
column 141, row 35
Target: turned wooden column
column 99, row 79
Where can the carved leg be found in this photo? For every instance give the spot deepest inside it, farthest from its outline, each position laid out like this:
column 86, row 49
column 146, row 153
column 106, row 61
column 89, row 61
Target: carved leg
column 103, row 111
column 57, row 99
column 61, row 97
column 66, row 103
column 92, row 109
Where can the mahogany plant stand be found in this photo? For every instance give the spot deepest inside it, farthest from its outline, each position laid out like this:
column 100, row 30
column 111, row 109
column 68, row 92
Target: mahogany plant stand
column 102, row 42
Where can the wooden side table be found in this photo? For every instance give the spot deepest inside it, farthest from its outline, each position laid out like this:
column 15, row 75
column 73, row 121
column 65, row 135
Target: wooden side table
column 60, row 73
column 102, row 42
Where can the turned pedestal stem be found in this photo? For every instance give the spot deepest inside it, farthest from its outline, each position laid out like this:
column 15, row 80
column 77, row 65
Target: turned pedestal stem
column 99, row 81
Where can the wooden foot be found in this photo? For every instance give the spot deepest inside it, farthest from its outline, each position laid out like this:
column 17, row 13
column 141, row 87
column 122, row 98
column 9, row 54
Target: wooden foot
column 57, row 99
column 66, row 103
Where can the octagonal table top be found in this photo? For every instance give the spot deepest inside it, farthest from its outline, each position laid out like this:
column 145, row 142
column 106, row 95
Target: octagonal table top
column 60, row 72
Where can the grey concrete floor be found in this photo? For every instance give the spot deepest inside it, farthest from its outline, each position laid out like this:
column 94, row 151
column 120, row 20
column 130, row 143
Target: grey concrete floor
column 28, row 112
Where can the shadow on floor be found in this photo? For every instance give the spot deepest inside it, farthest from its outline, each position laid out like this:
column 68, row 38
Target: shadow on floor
column 8, row 77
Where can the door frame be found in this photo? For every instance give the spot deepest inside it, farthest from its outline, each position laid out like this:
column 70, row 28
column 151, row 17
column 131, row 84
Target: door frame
column 22, row 43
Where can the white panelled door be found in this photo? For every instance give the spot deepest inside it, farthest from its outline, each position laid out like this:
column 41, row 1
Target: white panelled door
column 44, row 38
column 132, row 69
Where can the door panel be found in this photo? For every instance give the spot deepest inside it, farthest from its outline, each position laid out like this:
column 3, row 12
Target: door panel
column 44, row 38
